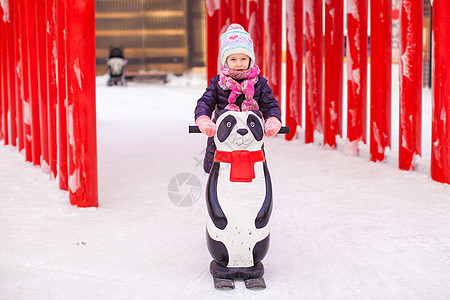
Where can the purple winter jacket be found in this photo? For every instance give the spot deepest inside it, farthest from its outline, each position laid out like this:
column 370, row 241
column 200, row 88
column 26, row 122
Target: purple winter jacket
column 215, row 99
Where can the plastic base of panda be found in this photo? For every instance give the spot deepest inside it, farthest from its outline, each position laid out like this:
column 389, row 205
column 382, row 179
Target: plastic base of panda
column 224, row 276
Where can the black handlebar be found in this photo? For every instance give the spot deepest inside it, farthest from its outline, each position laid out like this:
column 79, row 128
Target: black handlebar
column 283, row 130
column 195, row 129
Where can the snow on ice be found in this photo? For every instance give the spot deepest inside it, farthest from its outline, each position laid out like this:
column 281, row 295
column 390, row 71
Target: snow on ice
column 342, row 227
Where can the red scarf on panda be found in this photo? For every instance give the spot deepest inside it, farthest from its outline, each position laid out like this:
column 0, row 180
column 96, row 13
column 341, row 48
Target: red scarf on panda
column 242, row 163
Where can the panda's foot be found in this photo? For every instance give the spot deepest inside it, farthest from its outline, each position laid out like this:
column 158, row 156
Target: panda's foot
column 223, row 283
column 255, row 283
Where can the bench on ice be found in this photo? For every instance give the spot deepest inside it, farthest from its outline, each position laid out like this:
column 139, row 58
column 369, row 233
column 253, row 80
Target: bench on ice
column 137, row 76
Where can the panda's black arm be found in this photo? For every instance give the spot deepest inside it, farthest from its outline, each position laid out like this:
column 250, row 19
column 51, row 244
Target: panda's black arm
column 266, row 210
column 212, row 202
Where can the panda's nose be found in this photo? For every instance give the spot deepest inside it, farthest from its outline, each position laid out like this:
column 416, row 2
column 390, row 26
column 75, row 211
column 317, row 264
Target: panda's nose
column 242, row 131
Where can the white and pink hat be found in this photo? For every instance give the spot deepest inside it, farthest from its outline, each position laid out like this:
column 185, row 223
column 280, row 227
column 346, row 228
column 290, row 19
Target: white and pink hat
column 235, row 40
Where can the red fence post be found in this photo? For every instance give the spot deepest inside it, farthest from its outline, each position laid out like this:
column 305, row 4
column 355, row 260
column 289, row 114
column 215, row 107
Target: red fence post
column 380, row 77
column 18, row 70
column 62, row 95
column 224, row 22
column 80, row 32
column 255, row 18
column 239, row 14
column 52, row 91
column 33, row 79
column 25, row 88
column 410, row 120
column 294, row 64
column 4, row 78
column 11, row 74
column 1, row 75
column 313, row 68
column 224, row 17
column 334, row 64
column 212, row 37
column 42, row 63
column 274, row 55
column 440, row 137
column 2, row 65
column 357, row 16
column 1, row 86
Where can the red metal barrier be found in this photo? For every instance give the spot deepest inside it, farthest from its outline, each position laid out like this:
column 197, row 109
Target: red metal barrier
column 357, row 17
column 440, row 138
column 52, row 91
column 18, row 75
column 26, row 105
column 238, row 12
column 410, row 127
column 11, row 82
column 313, row 68
column 80, row 31
column 62, row 96
column 33, row 79
column 294, row 65
column 2, row 136
column 274, row 54
column 334, row 68
column 212, row 37
column 3, row 79
column 42, row 65
column 380, row 77
column 2, row 85
column 255, row 17
column 224, row 16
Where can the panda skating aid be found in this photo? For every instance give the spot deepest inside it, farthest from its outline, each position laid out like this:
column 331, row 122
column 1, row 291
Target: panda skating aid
column 238, row 191
column 238, row 200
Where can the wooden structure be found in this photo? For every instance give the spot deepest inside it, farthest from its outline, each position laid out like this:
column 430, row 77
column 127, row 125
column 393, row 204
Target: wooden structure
column 164, row 35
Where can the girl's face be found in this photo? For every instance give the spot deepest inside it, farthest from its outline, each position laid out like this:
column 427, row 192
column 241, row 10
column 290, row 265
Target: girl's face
column 238, row 62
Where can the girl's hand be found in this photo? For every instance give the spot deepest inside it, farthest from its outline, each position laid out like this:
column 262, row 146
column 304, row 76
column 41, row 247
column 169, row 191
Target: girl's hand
column 272, row 126
column 206, row 126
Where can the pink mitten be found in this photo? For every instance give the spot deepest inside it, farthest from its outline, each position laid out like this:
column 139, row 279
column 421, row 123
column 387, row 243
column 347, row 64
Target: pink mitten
column 205, row 125
column 272, row 126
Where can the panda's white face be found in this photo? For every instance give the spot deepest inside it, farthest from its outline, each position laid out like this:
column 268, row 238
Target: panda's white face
column 242, row 130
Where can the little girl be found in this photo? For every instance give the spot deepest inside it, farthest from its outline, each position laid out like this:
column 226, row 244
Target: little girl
column 237, row 87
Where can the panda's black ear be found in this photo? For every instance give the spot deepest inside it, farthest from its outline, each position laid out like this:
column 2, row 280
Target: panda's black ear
column 222, row 112
column 258, row 113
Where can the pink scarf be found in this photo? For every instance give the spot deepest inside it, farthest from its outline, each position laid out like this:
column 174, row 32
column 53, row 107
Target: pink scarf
column 227, row 81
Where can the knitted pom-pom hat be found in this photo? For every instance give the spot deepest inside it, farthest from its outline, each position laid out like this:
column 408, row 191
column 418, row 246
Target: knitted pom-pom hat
column 235, row 40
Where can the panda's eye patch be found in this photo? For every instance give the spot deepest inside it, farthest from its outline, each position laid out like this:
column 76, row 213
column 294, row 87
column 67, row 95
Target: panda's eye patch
column 225, row 127
column 255, row 127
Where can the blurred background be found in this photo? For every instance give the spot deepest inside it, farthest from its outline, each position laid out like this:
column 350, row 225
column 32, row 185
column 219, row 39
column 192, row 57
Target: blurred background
column 170, row 35
column 165, row 35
